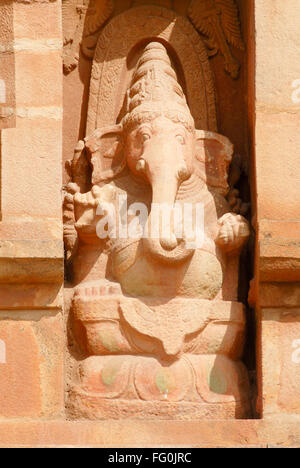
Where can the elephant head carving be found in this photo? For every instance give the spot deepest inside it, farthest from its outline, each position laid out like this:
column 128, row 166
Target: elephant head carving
column 157, row 140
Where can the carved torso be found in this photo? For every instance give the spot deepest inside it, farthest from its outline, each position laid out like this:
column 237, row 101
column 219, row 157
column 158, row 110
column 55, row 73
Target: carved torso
column 200, row 276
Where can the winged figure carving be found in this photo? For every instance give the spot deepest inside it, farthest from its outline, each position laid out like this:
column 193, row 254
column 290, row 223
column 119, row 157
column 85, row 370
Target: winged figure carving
column 219, row 21
column 82, row 19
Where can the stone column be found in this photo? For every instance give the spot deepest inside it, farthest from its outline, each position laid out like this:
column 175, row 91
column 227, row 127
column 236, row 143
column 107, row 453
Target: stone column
column 277, row 175
column 31, row 248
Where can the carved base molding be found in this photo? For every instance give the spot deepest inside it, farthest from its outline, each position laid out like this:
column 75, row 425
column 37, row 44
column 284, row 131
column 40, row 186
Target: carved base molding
column 280, row 432
column 95, row 407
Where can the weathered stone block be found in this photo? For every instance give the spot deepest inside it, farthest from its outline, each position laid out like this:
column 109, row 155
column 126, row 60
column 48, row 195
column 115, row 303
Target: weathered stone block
column 279, row 251
column 277, row 153
column 7, row 68
column 37, row 20
column 38, row 75
column 280, row 351
column 31, row 378
column 31, row 168
column 277, row 56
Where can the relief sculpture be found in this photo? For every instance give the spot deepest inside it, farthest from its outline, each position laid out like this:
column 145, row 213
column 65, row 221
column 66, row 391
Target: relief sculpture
column 155, row 311
column 217, row 20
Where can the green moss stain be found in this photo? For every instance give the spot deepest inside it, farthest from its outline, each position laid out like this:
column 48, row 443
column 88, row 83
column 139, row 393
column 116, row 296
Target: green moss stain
column 213, row 347
column 165, row 381
column 217, row 381
column 110, row 372
column 108, row 341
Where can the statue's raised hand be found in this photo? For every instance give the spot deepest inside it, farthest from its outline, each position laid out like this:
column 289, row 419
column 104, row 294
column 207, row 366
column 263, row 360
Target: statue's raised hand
column 89, row 209
column 233, row 232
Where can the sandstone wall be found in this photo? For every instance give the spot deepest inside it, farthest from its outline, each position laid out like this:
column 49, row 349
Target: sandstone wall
column 31, row 247
column 276, row 178
column 32, row 330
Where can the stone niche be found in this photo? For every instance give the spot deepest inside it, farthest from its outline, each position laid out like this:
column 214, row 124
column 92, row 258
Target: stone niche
column 120, row 324
column 155, row 113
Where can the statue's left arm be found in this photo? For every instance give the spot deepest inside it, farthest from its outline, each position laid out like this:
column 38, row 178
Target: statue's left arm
column 233, row 232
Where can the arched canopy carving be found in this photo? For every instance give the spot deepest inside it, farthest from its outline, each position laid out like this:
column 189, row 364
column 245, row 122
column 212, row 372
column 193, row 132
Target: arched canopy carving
column 116, row 54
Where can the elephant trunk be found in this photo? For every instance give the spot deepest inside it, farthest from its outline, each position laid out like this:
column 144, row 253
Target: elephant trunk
column 163, row 242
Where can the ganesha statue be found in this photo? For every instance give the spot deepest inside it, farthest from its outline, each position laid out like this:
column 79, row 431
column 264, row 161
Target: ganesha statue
column 154, row 253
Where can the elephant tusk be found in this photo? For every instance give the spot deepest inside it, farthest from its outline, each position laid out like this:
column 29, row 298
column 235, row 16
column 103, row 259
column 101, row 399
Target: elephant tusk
column 140, row 165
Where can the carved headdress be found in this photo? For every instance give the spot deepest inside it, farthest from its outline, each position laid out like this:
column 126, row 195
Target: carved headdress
column 155, row 90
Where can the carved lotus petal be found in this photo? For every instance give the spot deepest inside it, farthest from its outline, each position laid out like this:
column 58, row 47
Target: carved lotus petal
column 158, row 381
column 106, row 376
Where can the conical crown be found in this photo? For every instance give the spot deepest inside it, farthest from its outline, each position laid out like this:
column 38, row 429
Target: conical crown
column 155, row 89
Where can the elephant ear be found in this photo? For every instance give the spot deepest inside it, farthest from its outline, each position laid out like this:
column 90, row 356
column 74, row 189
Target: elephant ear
column 105, row 151
column 213, row 156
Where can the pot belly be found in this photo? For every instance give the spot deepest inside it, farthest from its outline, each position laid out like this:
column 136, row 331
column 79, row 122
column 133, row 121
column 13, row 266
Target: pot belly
column 201, row 276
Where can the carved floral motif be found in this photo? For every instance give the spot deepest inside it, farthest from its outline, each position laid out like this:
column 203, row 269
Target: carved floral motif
column 218, row 20
column 82, row 19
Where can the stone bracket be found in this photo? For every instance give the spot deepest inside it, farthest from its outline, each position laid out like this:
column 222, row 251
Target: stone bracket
column 279, row 251
column 31, row 264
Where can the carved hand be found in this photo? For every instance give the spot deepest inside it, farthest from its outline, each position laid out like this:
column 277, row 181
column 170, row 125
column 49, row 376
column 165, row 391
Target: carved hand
column 86, row 207
column 233, row 232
